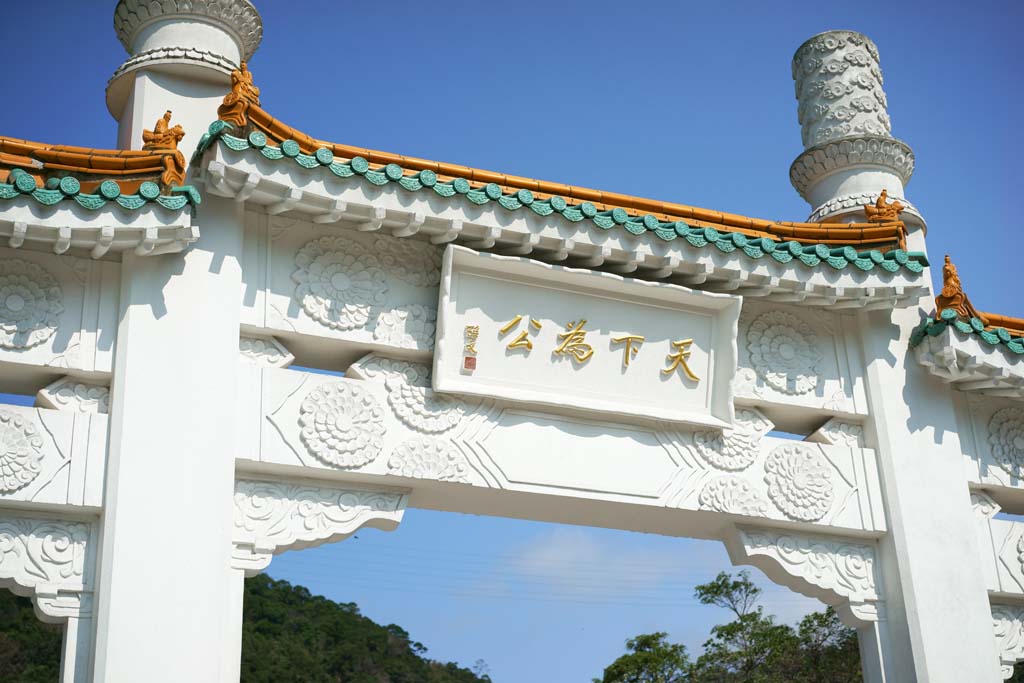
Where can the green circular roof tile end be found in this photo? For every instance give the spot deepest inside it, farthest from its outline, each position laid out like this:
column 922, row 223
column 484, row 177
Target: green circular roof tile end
column 823, row 252
column 681, row 228
column 588, row 209
column 651, row 221
column 290, row 148
column 324, row 156
column 711, row 235
column 493, row 191
column 70, row 186
column 768, row 245
column 739, row 239
column 23, row 182
column 109, row 189
column 619, row 215
column 427, row 177
column 525, row 196
column 52, row 183
column 149, row 190
column 948, row 314
column 794, row 248
column 558, row 203
column 900, row 256
column 1003, row 334
column 257, row 139
column 393, row 172
column 977, row 325
column 360, row 165
column 461, row 185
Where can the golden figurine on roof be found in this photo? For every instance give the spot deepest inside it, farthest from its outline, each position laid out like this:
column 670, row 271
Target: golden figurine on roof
column 243, row 93
column 164, row 137
column 883, row 212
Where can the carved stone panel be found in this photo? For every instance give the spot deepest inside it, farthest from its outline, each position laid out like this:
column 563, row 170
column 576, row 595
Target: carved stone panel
column 992, row 436
column 364, row 287
column 790, row 357
column 52, row 456
column 57, row 311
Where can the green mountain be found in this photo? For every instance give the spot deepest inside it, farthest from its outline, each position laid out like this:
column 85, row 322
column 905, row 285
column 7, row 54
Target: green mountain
column 289, row 635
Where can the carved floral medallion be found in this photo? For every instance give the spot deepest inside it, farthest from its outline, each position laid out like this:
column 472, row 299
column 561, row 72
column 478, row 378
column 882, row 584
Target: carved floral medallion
column 799, row 482
column 784, row 352
column 412, row 399
column 20, row 454
column 407, row 327
column 340, row 284
column 428, row 458
column 30, row 303
column 1006, row 439
column 342, row 425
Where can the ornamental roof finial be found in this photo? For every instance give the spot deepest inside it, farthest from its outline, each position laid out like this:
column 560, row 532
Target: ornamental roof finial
column 883, row 212
column 243, row 93
column 952, row 294
column 165, row 138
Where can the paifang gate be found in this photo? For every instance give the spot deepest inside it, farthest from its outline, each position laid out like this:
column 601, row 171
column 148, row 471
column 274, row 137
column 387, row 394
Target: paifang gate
column 510, row 347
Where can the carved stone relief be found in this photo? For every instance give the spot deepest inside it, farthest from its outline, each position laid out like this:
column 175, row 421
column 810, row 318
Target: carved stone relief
column 342, row 425
column 428, row 458
column 1008, row 626
column 264, row 351
column 1006, row 439
column 50, row 558
column 784, row 352
column 31, row 302
column 69, row 393
column 271, row 517
column 20, row 451
column 347, row 283
column 799, row 482
column 837, row 571
column 734, row 495
column 734, row 448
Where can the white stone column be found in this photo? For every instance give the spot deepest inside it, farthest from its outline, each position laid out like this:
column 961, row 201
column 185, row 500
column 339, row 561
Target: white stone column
column 850, row 155
column 182, row 53
column 164, row 587
column 938, row 617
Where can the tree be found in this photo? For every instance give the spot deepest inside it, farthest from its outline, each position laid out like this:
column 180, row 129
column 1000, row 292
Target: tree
column 651, row 660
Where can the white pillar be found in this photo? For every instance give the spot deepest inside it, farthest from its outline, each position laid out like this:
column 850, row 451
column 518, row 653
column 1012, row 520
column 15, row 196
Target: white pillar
column 164, row 585
column 76, row 651
column 182, row 53
column 938, row 617
column 236, row 596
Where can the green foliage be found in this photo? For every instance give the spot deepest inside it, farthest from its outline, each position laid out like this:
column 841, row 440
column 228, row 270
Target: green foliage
column 29, row 649
column 290, row 635
column 651, row 660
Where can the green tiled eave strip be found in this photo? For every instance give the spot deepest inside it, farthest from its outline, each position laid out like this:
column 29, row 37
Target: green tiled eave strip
column 950, row 318
column 67, row 187
column 426, row 180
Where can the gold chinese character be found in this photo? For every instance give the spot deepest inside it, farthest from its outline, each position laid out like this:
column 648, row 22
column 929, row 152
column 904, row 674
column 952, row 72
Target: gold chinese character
column 629, row 351
column 574, row 342
column 472, row 333
column 522, row 341
column 679, row 359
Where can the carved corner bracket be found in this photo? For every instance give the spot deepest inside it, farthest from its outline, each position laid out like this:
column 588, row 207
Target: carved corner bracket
column 272, row 517
column 838, row 572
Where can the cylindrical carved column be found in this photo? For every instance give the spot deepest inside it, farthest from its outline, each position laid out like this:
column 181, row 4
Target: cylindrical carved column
column 850, row 155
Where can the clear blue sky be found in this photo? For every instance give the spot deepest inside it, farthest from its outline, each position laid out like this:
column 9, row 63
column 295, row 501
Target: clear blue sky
column 683, row 101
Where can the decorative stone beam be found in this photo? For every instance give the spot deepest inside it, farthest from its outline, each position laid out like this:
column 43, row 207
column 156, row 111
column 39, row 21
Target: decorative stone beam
column 1008, row 625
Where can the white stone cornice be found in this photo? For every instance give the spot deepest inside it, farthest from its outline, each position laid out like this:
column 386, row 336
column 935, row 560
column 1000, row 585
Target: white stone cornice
column 271, row 517
column 175, row 55
column 50, row 560
column 838, row 572
column 238, row 17
column 815, row 163
column 969, row 364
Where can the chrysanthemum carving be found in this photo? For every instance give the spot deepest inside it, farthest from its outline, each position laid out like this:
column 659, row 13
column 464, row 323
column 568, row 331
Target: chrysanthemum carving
column 30, row 304
column 426, row 458
column 1006, row 439
column 736, row 448
column 799, row 482
column 342, row 425
column 20, row 454
column 784, row 352
column 734, row 495
column 340, row 285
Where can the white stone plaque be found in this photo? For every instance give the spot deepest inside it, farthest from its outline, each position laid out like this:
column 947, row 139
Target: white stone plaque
column 533, row 333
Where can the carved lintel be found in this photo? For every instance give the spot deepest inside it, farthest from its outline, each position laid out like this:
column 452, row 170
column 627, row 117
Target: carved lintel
column 838, row 572
column 49, row 560
column 264, row 351
column 70, row 393
column 271, row 517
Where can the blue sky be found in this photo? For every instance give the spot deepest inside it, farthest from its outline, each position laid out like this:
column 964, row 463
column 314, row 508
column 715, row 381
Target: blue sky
column 683, row 101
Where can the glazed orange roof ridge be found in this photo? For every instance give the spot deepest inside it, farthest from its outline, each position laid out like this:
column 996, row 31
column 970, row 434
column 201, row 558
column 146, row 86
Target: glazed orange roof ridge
column 241, row 108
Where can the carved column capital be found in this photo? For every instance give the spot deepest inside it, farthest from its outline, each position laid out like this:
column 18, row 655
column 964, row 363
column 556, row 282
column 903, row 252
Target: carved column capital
column 838, row 572
column 273, row 516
